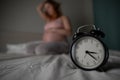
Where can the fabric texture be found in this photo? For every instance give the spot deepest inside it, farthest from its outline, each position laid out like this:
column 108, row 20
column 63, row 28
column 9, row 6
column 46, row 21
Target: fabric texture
column 22, row 48
column 38, row 47
column 54, row 24
column 51, row 48
column 54, row 67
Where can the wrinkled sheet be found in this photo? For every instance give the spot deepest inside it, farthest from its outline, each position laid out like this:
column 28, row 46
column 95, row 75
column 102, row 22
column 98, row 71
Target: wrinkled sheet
column 54, row 67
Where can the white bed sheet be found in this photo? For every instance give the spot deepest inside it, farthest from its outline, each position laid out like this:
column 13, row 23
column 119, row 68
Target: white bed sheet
column 54, row 67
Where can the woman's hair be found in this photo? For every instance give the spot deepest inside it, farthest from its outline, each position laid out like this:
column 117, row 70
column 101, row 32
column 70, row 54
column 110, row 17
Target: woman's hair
column 55, row 5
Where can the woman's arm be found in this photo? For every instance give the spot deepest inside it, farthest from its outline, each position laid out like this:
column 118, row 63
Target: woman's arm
column 67, row 31
column 39, row 10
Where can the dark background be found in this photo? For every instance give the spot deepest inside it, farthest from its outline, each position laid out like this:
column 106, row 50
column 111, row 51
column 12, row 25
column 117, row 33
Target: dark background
column 107, row 16
column 20, row 16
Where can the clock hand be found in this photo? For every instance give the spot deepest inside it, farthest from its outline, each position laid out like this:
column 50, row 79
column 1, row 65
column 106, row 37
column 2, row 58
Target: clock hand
column 91, row 52
column 91, row 55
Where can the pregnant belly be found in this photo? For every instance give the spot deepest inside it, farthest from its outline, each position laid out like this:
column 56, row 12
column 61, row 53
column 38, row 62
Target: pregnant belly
column 51, row 37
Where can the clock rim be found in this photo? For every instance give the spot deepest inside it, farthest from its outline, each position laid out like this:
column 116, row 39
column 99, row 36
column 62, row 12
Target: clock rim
column 104, row 46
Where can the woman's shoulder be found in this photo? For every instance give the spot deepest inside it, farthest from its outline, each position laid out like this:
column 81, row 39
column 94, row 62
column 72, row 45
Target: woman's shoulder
column 64, row 17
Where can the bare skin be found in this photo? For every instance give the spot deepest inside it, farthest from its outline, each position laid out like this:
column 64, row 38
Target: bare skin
column 54, row 34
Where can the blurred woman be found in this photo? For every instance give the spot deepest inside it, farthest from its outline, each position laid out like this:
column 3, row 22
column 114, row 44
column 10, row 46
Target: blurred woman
column 56, row 29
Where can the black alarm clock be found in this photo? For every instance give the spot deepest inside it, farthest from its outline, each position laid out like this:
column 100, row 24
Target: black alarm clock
column 88, row 51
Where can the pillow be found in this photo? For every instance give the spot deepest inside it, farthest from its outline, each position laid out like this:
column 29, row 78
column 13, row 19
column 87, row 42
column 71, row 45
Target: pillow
column 23, row 48
column 16, row 48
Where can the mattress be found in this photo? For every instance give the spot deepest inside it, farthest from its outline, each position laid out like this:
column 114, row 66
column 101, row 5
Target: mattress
column 54, row 67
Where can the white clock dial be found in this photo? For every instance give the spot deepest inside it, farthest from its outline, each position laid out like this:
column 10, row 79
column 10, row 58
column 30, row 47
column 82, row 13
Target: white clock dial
column 88, row 52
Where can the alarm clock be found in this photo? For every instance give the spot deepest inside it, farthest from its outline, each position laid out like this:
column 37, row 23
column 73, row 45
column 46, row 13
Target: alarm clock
column 87, row 50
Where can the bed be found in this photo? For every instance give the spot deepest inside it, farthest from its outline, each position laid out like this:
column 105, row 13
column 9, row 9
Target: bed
column 50, row 67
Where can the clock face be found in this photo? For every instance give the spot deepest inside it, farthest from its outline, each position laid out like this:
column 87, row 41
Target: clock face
column 88, row 52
